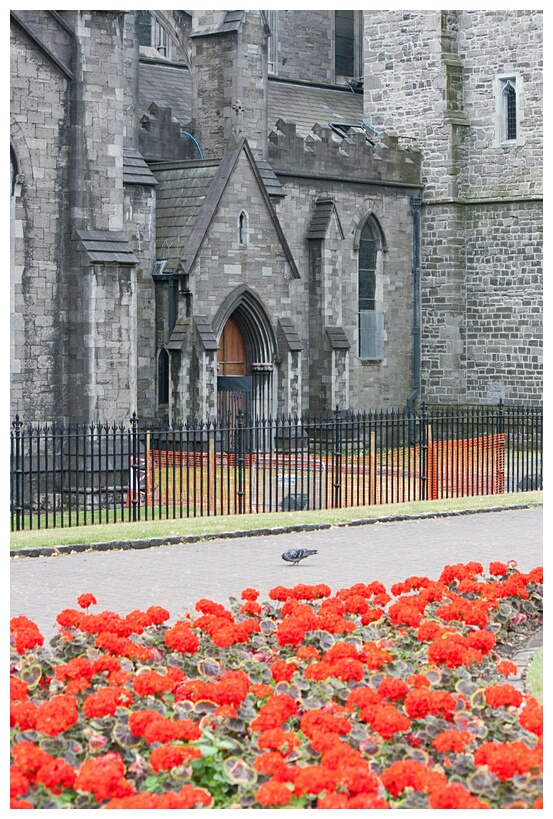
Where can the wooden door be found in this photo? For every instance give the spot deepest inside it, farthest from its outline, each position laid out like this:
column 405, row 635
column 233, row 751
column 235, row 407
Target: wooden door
column 231, row 356
column 234, row 385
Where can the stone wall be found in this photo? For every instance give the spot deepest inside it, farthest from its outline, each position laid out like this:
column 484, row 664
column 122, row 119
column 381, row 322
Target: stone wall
column 494, row 44
column 372, row 384
column 39, row 135
column 433, row 78
column 305, row 48
column 504, row 303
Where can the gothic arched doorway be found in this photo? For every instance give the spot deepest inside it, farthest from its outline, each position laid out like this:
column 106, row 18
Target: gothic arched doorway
column 234, row 381
column 245, row 360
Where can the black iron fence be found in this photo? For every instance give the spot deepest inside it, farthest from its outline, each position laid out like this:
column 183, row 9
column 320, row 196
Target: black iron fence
column 76, row 475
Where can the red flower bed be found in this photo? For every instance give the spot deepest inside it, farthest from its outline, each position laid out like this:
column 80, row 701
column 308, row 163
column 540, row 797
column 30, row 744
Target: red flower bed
column 358, row 699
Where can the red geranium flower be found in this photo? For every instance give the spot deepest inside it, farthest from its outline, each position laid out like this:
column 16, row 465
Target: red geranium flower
column 392, row 688
column 181, row 638
column 19, row 783
column 106, row 701
column 498, row 695
column 249, row 594
column 23, row 714
column 273, row 792
column 86, row 600
column 531, row 717
column 139, row 720
column 451, row 740
column 56, row 775
column 276, row 739
column 455, row 795
column 282, row 671
column 26, row 634
column 104, row 776
column 166, row 757
column 57, row 715
column 30, row 758
column 506, row 668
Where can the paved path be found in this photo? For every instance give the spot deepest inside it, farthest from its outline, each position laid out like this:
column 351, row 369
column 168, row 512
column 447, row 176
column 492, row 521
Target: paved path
column 175, row 576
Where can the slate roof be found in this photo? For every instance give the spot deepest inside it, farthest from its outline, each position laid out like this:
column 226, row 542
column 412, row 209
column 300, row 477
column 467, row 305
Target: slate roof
column 167, row 86
column 308, row 105
column 272, row 185
column 171, row 87
column 338, row 338
column 320, row 219
column 135, row 170
column 232, row 22
column 187, row 197
column 106, row 247
column 180, row 194
column 290, row 334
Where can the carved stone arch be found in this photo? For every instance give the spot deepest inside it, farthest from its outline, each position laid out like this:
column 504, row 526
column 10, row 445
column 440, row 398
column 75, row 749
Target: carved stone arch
column 251, row 315
column 252, row 319
column 367, row 215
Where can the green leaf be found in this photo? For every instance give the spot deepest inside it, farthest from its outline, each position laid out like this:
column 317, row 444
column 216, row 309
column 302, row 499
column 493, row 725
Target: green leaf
column 226, row 744
column 207, row 750
column 123, row 735
column 326, row 640
column 479, row 782
column 267, row 626
column 152, row 784
column 477, row 699
column 209, row 667
column 239, row 772
column 31, row 674
column 466, row 687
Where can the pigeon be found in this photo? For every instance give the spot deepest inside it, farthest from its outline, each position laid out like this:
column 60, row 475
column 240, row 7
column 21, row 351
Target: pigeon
column 295, row 555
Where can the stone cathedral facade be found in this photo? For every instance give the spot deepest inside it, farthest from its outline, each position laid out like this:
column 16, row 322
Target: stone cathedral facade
column 285, row 211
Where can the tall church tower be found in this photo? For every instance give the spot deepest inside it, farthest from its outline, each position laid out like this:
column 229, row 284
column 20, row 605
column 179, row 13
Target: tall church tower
column 229, row 80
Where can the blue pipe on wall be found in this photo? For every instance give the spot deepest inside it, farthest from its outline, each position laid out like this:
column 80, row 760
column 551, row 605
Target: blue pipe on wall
column 196, row 143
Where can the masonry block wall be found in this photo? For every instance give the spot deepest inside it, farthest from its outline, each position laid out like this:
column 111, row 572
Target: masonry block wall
column 40, row 171
column 87, row 326
column 378, row 384
column 435, row 78
column 305, row 45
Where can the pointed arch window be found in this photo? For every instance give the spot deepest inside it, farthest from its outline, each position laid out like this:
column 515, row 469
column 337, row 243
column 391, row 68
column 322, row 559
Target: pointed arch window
column 510, row 109
column 243, row 228
column 370, row 320
column 163, row 377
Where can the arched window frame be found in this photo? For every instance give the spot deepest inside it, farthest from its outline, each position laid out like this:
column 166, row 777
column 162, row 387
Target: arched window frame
column 370, row 313
column 163, row 378
column 509, row 110
column 243, row 228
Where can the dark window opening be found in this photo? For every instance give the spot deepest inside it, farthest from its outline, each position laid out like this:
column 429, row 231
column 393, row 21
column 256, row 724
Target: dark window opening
column 510, row 111
column 163, row 377
column 344, row 43
column 243, row 229
column 371, row 321
column 173, row 303
column 144, row 28
column 367, row 270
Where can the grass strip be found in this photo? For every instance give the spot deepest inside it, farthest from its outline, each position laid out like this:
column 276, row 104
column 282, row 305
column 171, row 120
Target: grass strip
column 144, row 530
column 534, row 675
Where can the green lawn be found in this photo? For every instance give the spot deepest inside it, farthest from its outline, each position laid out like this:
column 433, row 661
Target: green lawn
column 534, row 676
column 211, row 525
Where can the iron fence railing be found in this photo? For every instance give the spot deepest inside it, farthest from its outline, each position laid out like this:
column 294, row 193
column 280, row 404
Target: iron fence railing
column 65, row 476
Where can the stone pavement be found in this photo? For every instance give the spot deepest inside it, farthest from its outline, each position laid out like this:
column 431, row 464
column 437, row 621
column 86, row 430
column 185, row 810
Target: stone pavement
column 176, row 575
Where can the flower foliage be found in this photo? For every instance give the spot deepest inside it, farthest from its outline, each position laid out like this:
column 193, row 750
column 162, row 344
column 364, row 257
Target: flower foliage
column 360, row 699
